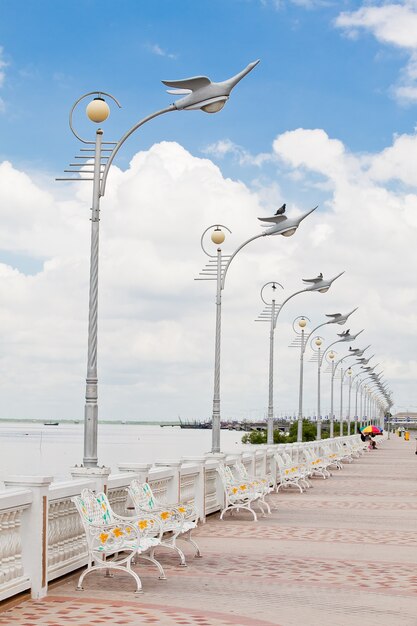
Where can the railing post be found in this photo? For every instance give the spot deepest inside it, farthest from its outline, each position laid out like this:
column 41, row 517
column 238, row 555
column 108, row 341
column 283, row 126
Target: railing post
column 174, row 487
column 140, row 469
column 35, row 531
column 272, row 464
column 100, row 475
column 200, row 485
column 220, row 458
column 261, row 452
column 252, row 455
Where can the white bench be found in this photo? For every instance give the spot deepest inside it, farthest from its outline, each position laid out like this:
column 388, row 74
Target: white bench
column 177, row 520
column 109, row 534
column 239, row 494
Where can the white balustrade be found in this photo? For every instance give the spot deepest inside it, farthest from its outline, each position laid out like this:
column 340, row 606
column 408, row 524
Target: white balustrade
column 67, row 547
column 41, row 536
column 161, row 481
column 213, row 492
column 13, row 579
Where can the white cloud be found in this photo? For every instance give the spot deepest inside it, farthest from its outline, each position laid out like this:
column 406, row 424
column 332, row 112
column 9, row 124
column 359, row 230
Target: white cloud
column 156, row 324
column 158, row 51
column 3, row 65
column 394, row 24
column 305, row 4
column 311, row 4
column 395, row 163
column 224, row 147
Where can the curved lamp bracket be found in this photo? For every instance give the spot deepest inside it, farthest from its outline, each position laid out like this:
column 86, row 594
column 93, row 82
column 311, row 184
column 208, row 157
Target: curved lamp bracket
column 271, row 282
column 300, row 317
column 204, row 234
column 86, row 95
column 328, row 359
column 313, row 345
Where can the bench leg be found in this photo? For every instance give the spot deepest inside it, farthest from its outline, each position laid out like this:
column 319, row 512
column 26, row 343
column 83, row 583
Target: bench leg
column 150, row 557
column 187, row 537
column 110, row 565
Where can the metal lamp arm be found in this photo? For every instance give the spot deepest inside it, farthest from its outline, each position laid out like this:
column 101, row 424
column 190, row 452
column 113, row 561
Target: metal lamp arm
column 342, row 359
column 245, row 243
column 350, row 367
column 285, row 302
column 123, row 139
column 363, row 381
column 313, row 331
column 327, row 349
column 356, row 375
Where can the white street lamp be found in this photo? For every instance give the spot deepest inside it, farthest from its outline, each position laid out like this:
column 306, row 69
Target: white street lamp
column 335, row 318
column 301, row 322
column 271, row 313
column 352, row 352
column 216, row 269
column 360, row 362
column 330, row 355
column 202, row 94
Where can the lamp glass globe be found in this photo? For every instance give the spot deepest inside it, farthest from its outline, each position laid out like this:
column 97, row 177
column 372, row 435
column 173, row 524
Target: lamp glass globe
column 302, row 323
column 318, row 342
column 98, row 110
column 289, row 233
column 217, row 236
column 214, row 107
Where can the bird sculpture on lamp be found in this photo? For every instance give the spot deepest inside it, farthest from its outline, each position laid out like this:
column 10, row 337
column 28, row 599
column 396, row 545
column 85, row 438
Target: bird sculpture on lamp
column 201, row 93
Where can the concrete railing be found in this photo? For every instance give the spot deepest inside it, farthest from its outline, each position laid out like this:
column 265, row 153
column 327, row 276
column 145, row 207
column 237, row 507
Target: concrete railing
column 41, row 536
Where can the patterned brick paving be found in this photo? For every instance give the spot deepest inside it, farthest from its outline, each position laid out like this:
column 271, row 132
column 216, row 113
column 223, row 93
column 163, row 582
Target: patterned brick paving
column 293, row 533
column 57, row 611
column 345, row 505
column 401, row 579
column 342, row 554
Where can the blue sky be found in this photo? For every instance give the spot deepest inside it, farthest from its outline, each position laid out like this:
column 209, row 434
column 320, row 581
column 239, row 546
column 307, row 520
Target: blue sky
column 328, row 118
column 310, row 76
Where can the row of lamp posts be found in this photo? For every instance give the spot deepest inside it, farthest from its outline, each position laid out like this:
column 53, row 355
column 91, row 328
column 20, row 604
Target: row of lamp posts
column 94, row 164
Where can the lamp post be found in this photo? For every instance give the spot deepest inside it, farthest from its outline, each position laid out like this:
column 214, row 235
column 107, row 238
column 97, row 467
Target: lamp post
column 335, row 318
column 201, row 93
column 361, row 360
column 330, row 356
column 362, row 387
column 352, row 352
column 302, row 322
column 349, row 373
column 269, row 315
column 318, row 343
column 319, row 284
column 217, row 269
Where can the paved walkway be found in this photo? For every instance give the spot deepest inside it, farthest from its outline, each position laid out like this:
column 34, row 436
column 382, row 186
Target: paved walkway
column 342, row 554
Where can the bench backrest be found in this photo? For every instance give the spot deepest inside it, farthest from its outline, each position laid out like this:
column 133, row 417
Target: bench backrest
column 142, row 495
column 93, row 508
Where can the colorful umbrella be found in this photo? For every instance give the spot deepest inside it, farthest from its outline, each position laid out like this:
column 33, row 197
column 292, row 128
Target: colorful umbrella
column 371, row 430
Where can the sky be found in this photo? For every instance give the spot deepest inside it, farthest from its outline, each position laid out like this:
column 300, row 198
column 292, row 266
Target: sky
column 327, row 118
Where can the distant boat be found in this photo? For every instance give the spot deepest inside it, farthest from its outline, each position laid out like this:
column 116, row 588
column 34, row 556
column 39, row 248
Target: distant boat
column 51, row 423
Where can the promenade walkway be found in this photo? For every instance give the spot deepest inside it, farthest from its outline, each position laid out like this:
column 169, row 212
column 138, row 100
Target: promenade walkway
column 342, row 554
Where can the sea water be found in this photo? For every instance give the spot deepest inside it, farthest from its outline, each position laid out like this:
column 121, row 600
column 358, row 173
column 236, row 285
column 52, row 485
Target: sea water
column 30, row 448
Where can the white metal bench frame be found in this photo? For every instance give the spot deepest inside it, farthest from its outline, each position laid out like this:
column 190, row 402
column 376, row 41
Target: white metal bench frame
column 177, row 521
column 109, row 534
